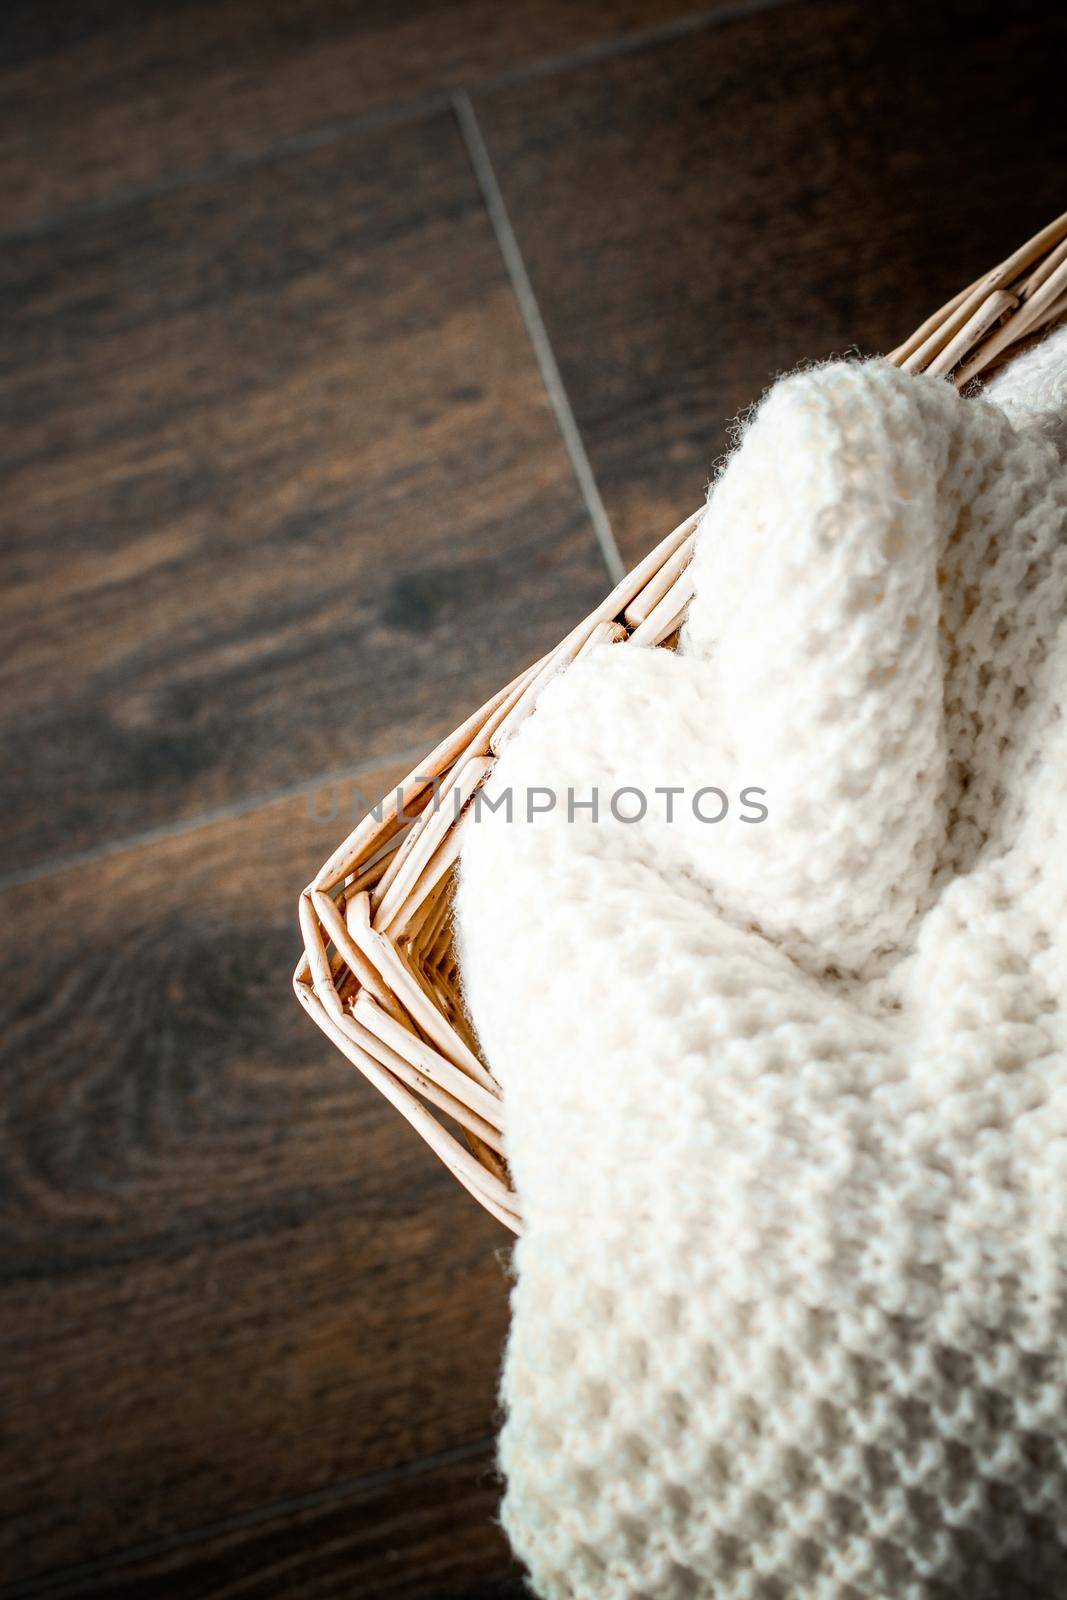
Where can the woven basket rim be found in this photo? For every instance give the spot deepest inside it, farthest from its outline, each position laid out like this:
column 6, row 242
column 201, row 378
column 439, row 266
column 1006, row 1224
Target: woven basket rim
column 379, row 973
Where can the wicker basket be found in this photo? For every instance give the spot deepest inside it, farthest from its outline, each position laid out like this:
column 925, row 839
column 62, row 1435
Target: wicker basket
column 379, row 973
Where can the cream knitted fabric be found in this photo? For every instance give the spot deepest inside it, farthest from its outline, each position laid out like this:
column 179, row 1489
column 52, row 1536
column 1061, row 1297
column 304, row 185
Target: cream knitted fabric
column 787, row 1099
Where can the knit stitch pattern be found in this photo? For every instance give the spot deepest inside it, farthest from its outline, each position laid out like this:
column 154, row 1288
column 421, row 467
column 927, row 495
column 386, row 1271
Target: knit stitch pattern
column 786, row 1102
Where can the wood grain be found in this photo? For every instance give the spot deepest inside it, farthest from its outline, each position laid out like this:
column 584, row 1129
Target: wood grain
column 430, row 1533
column 713, row 210
column 280, row 482
column 283, row 493
column 109, row 97
column 229, row 1274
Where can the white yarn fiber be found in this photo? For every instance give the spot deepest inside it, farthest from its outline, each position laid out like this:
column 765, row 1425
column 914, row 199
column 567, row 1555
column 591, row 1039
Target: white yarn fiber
column 787, row 1103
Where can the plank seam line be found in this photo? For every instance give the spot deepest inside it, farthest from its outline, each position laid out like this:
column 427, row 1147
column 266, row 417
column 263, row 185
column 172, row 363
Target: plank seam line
column 87, row 1571
column 530, row 312
column 205, row 819
column 404, row 111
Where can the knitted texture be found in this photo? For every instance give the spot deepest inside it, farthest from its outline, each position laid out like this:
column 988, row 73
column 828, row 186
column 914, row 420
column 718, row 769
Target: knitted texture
column 786, row 1100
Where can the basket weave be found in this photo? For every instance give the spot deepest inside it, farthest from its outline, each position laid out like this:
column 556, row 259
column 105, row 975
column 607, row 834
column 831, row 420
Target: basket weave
column 380, row 973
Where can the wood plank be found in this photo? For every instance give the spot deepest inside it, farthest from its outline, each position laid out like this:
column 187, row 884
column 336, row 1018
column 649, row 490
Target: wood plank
column 230, row 1275
column 112, row 97
column 282, row 489
column 427, row 1535
column 711, row 211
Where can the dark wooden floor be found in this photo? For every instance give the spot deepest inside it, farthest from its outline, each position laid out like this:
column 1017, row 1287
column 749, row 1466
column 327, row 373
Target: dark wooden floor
column 283, row 496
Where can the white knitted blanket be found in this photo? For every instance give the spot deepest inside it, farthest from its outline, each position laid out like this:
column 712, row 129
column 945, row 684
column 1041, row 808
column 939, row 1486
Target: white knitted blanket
column 786, row 1098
